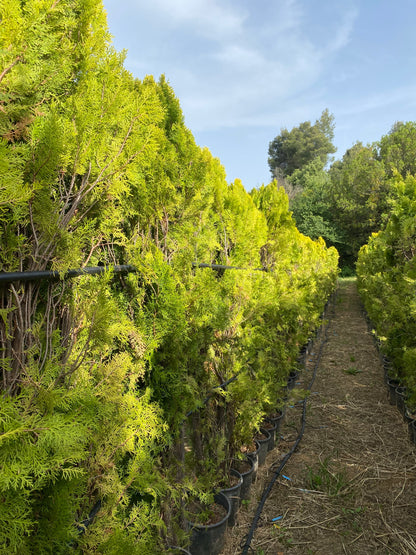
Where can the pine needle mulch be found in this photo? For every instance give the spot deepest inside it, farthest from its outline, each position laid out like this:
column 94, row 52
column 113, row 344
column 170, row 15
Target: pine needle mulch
column 350, row 488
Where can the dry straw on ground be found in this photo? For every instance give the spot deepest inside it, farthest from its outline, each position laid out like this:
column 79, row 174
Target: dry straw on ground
column 352, row 486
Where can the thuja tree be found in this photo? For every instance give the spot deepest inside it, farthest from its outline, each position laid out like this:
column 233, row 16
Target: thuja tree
column 77, row 431
column 250, row 323
column 99, row 168
column 303, row 274
column 386, row 271
column 241, row 231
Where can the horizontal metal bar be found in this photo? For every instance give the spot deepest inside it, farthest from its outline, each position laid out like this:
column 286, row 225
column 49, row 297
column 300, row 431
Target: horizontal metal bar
column 8, row 277
column 224, row 267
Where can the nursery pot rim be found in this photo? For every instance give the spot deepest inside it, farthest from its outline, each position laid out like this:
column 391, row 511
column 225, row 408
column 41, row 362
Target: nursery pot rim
column 181, row 549
column 264, row 432
column 238, row 475
column 196, row 526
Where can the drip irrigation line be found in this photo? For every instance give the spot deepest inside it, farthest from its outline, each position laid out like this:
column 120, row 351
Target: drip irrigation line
column 87, row 521
column 9, row 277
column 268, row 488
column 225, row 267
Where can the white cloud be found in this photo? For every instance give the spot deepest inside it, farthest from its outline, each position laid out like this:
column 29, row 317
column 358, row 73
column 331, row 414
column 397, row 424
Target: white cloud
column 344, row 33
column 245, row 68
column 209, row 18
column 239, row 56
column 248, row 78
column 228, row 63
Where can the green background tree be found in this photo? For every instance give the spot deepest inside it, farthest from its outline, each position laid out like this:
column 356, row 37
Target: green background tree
column 294, row 149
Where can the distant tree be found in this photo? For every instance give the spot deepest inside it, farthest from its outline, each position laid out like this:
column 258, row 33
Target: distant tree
column 359, row 197
column 312, row 206
column 293, row 150
column 397, row 149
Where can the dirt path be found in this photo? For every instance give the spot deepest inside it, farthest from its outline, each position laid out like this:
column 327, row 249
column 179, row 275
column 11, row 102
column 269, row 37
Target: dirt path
column 355, row 460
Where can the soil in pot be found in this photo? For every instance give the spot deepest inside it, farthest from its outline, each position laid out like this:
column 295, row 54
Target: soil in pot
column 208, row 525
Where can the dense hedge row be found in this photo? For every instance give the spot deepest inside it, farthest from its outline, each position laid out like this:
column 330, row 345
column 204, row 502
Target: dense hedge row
column 386, row 271
column 98, row 373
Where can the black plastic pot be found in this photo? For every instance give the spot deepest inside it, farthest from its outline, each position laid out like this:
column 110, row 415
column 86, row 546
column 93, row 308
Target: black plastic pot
column 209, row 539
column 291, row 381
column 401, row 397
column 271, row 427
column 173, row 550
column 412, row 431
column 377, row 343
column 278, row 421
column 254, row 456
column 409, row 414
column 245, row 468
column 233, row 494
column 387, row 368
column 264, row 446
column 302, row 355
column 392, row 384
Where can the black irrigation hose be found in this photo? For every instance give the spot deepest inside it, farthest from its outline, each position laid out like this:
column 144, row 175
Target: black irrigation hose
column 8, row 277
column 268, row 488
column 82, row 526
column 225, row 267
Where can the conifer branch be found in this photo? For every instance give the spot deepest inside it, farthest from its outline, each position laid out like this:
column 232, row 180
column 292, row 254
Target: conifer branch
column 32, row 225
column 94, row 246
column 17, row 431
column 80, row 358
column 10, row 67
column 120, row 150
column 83, row 190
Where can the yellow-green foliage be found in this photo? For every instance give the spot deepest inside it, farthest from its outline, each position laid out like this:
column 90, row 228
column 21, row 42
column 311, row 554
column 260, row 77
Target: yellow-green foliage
column 386, row 271
column 98, row 373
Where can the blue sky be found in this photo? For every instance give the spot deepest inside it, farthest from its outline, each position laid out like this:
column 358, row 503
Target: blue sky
column 244, row 69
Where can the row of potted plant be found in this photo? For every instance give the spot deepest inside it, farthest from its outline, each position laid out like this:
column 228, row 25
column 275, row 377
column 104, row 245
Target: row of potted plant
column 386, row 273
column 208, row 521
column 397, row 392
